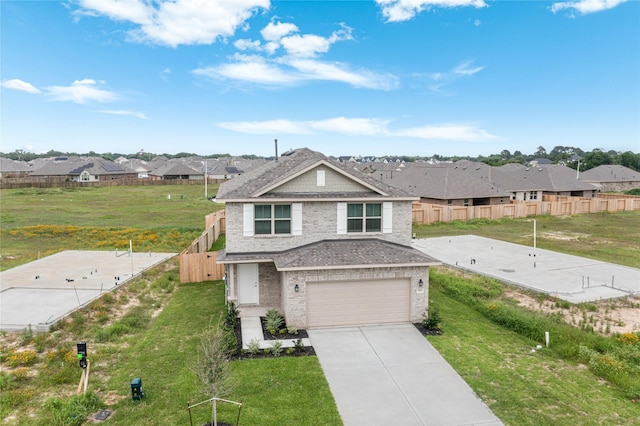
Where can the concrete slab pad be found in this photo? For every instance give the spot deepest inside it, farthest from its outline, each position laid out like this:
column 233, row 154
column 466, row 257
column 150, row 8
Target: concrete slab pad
column 404, row 380
column 572, row 278
column 39, row 293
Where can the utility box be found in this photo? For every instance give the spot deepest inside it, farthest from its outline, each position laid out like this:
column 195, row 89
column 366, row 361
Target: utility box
column 136, row 389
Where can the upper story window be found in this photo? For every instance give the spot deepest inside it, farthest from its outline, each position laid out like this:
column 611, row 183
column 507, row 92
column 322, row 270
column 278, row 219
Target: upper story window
column 364, row 217
column 272, row 219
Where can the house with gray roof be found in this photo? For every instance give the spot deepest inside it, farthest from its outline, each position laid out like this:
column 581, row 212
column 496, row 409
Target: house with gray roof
column 463, row 183
column 13, row 168
column 612, row 178
column 175, row 170
column 84, row 169
column 323, row 243
column 531, row 183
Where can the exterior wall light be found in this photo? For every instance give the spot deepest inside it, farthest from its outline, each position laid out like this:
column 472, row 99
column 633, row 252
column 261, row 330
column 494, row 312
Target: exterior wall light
column 296, row 288
column 420, row 282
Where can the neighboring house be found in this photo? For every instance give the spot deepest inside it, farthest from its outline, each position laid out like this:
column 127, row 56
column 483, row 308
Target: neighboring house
column 221, row 171
column 531, row 183
column 84, row 169
column 175, row 171
column 322, row 243
column 463, row 183
column 612, row 178
column 13, row 168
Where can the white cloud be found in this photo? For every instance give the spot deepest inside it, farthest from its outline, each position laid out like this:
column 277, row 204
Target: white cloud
column 586, row 6
column 17, row 84
column 297, row 65
column 135, row 114
column 250, row 69
column 275, row 31
column 80, row 92
column 267, row 127
column 463, row 69
column 245, row 44
column 449, row 132
column 175, row 22
column 404, row 10
column 438, row 80
column 368, row 127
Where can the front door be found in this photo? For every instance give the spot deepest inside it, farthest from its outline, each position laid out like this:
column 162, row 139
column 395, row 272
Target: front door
column 248, row 284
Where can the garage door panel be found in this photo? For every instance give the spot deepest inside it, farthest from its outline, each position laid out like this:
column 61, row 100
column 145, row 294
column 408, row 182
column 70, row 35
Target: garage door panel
column 358, row 302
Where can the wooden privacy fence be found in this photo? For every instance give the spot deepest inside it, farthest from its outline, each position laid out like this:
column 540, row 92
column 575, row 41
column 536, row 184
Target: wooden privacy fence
column 424, row 214
column 197, row 263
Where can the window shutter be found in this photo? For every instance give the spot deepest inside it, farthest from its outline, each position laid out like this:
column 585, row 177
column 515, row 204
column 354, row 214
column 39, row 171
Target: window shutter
column 387, row 217
column 296, row 219
column 247, row 220
column 342, row 218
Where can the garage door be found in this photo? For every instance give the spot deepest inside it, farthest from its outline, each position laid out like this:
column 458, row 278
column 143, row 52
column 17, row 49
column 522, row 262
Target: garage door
column 358, row 302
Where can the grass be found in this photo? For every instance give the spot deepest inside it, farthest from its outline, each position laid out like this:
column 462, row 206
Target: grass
column 609, row 237
column 160, row 350
column 549, row 386
column 38, row 222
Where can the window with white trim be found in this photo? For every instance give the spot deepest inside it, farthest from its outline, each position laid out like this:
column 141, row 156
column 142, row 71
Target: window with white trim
column 272, row 219
column 533, row 195
column 365, row 217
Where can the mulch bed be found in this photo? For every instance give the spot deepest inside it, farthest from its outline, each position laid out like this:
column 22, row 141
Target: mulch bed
column 243, row 354
column 427, row 331
column 302, row 334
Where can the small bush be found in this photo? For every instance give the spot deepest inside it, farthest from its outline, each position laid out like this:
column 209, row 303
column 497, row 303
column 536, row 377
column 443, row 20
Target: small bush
column 431, row 318
column 253, row 347
column 232, row 315
column 628, row 338
column 292, row 330
column 274, row 321
column 276, row 348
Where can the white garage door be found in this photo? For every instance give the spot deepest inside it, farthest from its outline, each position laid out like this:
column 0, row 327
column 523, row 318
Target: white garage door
column 358, row 302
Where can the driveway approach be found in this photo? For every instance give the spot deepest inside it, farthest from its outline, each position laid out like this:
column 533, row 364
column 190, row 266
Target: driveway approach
column 391, row 375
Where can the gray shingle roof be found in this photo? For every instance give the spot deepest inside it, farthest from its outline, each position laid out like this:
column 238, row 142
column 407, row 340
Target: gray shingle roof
column 463, row 179
column 610, row 173
column 551, row 178
column 76, row 165
column 339, row 254
column 256, row 181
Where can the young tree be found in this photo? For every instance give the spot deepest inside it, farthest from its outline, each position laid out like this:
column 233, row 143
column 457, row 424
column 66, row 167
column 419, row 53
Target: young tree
column 212, row 368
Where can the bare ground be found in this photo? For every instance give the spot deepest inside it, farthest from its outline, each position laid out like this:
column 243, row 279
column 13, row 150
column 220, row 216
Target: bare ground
column 605, row 316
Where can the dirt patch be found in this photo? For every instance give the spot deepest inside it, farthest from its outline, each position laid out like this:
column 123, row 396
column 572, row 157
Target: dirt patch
column 564, row 236
column 606, row 316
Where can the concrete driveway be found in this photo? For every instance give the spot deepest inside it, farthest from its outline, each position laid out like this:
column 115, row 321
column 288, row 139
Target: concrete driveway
column 391, row 375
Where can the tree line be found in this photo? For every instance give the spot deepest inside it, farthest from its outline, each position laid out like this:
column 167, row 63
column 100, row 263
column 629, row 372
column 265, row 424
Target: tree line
column 567, row 155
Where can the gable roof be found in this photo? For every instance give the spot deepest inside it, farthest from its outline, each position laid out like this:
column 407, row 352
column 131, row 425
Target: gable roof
column 259, row 181
column 610, row 173
column 176, row 169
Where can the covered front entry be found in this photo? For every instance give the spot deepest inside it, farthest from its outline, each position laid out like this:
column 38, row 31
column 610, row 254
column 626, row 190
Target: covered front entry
column 358, row 302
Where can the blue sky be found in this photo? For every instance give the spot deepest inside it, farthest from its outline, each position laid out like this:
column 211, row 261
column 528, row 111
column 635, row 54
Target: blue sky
column 405, row 77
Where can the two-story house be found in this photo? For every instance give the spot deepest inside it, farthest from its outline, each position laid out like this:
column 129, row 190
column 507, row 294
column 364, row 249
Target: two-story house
column 323, row 243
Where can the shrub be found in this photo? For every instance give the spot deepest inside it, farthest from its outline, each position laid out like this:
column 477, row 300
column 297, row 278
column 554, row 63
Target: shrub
column 431, row 318
column 253, row 347
column 298, row 345
column 274, row 321
column 276, row 348
column 232, row 315
column 292, row 330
